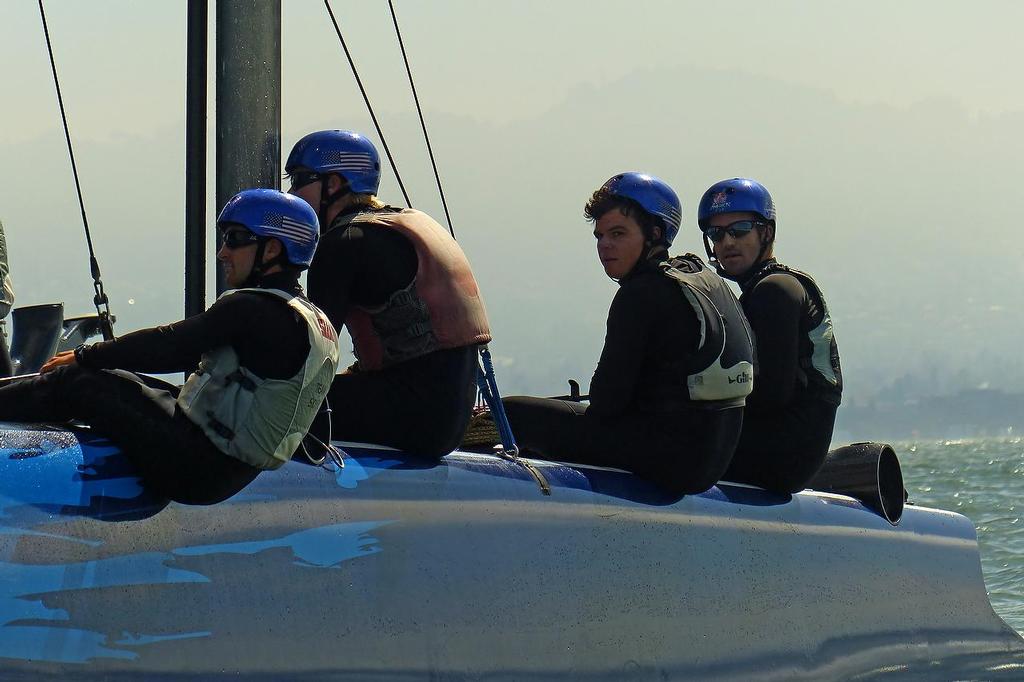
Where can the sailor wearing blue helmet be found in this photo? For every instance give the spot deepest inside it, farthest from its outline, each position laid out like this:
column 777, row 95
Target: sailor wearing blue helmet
column 265, row 359
column 666, row 398
column 788, row 422
column 404, row 290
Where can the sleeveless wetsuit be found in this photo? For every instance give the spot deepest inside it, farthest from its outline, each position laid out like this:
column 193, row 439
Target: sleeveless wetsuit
column 412, row 391
column 788, row 422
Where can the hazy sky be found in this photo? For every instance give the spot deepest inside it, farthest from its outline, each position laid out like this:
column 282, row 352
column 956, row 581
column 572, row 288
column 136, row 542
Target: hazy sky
column 889, row 133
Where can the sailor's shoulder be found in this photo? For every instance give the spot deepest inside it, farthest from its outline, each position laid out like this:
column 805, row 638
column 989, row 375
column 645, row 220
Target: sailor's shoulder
column 775, row 290
column 687, row 262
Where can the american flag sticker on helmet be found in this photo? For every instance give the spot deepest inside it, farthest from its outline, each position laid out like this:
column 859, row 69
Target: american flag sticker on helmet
column 339, row 160
column 279, row 225
column 669, row 210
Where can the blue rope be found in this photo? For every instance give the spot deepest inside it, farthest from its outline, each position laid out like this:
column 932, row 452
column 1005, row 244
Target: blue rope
column 488, row 386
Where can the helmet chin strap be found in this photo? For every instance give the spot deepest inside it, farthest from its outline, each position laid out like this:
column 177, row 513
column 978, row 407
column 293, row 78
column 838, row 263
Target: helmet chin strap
column 256, row 272
column 655, row 249
column 259, row 266
column 765, row 245
column 713, row 260
column 327, row 198
column 652, row 249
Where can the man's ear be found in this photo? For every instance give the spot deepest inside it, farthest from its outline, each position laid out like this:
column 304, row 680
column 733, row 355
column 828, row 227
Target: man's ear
column 334, row 183
column 656, row 232
column 769, row 233
column 272, row 250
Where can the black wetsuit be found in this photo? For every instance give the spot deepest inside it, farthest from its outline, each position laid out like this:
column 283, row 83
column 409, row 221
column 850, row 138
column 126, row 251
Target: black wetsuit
column 140, row 414
column 788, row 421
column 420, row 405
column 6, row 365
column 632, row 422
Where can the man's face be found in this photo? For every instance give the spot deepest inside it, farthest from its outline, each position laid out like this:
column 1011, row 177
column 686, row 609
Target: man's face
column 305, row 184
column 237, row 255
column 737, row 254
column 620, row 242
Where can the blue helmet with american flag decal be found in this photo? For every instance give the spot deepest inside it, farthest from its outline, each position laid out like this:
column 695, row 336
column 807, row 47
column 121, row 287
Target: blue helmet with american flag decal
column 270, row 213
column 653, row 195
column 344, row 152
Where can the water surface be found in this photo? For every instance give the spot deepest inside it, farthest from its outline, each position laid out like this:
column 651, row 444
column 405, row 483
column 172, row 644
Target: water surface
column 984, row 480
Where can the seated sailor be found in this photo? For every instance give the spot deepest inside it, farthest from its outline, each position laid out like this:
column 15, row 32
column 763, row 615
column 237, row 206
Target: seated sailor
column 787, row 425
column 262, row 358
column 666, row 399
column 403, row 288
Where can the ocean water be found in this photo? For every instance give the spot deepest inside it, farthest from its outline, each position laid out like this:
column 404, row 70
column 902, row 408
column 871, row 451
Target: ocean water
column 982, row 479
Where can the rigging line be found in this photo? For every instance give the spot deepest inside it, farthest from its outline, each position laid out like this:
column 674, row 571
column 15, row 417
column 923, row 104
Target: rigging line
column 423, row 124
column 100, row 298
column 359, row 82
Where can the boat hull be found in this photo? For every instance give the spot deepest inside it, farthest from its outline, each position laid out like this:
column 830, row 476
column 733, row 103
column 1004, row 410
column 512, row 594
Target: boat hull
column 396, row 568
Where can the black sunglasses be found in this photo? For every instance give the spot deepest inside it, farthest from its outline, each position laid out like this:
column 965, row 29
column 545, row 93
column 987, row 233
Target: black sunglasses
column 740, row 228
column 236, row 238
column 300, row 179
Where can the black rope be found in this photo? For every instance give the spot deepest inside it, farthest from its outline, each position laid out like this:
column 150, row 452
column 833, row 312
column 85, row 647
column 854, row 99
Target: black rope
column 366, row 99
column 423, row 124
column 100, row 298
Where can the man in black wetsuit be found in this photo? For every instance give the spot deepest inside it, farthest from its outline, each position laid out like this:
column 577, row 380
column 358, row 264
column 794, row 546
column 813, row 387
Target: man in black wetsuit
column 666, row 399
column 787, row 425
column 261, row 357
column 403, row 288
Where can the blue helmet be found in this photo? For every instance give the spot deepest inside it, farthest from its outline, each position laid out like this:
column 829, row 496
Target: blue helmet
column 739, row 195
column 653, row 195
column 269, row 213
column 344, row 152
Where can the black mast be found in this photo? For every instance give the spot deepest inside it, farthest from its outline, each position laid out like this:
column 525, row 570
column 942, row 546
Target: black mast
column 248, row 98
column 195, row 159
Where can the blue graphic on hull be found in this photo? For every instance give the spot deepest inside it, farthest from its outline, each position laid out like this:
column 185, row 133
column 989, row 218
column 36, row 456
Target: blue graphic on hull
column 23, row 588
column 324, row 547
column 39, row 643
column 362, row 469
column 59, row 612
column 68, row 472
column 128, row 639
column 6, row 530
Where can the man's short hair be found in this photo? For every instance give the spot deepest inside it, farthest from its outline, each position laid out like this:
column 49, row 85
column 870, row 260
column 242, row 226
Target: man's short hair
column 603, row 201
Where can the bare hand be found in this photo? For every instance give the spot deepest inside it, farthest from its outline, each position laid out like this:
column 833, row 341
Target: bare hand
column 58, row 360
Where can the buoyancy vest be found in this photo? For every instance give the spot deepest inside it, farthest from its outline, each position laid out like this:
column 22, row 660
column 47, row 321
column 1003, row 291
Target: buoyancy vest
column 818, row 368
column 262, row 421
column 440, row 308
column 721, row 372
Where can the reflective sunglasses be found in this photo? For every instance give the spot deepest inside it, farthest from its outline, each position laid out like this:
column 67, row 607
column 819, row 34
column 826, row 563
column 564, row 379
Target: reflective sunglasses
column 736, row 230
column 300, row 179
column 236, row 238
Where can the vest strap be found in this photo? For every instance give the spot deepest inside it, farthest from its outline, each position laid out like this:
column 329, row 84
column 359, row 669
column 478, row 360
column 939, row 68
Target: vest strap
column 242, row 380
column 220, row 427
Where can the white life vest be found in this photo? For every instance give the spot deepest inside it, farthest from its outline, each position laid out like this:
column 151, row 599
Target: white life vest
column 722, row 374
column 262, row 421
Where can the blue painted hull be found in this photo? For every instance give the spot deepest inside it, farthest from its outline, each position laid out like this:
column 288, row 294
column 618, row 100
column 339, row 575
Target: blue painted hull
column 394, row 568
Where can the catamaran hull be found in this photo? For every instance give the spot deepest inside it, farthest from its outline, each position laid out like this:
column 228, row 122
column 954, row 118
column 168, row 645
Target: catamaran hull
column 394, row 569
